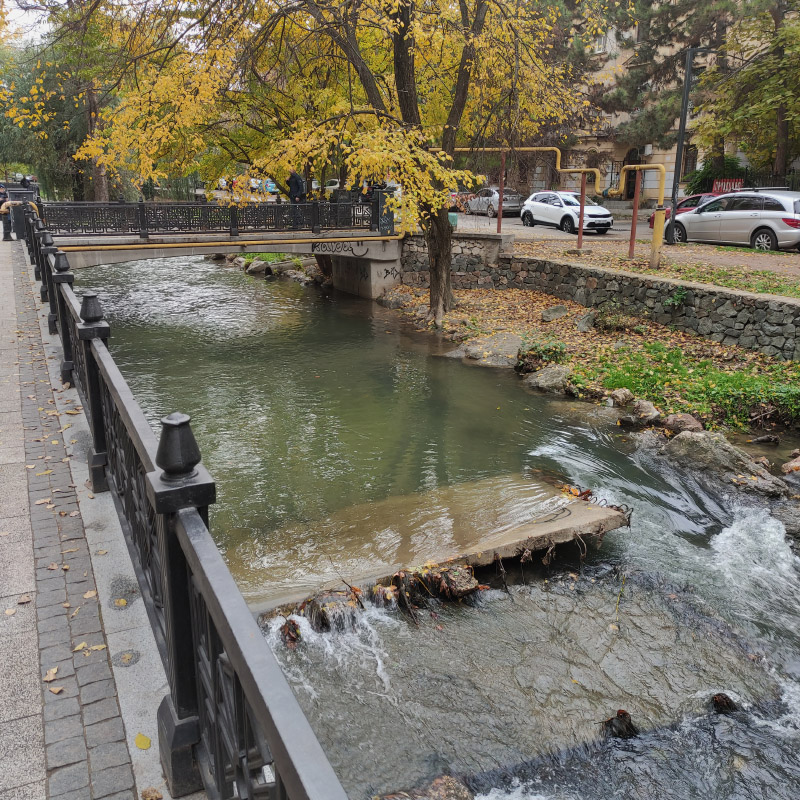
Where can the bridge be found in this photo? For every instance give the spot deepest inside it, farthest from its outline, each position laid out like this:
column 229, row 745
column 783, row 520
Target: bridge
column 357, row 236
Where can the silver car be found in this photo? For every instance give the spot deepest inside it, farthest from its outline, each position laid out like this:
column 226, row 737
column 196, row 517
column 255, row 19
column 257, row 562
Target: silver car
column 487, row 201
column 765, row 219
column 562, row 210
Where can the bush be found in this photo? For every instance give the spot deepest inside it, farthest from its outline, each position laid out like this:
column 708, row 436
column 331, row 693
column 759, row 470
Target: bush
column 537, row 350
column 702, row 180
column 609, row 317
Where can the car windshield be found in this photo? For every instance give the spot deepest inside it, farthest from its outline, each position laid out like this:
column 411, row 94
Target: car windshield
column 572, row 200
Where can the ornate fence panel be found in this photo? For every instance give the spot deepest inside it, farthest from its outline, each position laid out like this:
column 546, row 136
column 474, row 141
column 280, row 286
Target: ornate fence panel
column 143, row 219
column 230, row 723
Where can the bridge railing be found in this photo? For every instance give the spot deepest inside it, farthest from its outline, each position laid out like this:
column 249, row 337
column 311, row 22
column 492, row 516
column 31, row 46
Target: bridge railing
column 230, row 723
column 143, row 219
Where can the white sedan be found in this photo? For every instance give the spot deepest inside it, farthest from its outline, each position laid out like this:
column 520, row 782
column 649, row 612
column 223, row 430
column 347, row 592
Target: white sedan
column 562, row 210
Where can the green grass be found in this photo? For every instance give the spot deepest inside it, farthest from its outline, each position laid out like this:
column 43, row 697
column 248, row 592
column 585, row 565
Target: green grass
column 748, row 280
column 268, row 257
column 675, row 383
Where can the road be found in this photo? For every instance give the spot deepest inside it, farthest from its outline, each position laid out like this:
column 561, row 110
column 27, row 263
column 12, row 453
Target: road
column 620, row 232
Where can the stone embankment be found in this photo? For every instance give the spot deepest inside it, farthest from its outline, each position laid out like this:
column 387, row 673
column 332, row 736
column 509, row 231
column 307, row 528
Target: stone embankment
column 765, row 323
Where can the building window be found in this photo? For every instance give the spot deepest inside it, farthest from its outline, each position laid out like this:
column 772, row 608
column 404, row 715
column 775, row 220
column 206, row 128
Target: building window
column 689, row 160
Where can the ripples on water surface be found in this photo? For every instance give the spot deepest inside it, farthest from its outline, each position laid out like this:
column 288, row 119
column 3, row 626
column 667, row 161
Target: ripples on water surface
column 340, row 444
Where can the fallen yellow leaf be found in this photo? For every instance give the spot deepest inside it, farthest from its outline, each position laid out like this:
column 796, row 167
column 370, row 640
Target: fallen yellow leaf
column 56, row 689
column 89, row 594
column 142, row 742
column 98, row 647
column 23, row 600
column 10, row 612
column 51, row 675
column 120, row 601
column 79, row 647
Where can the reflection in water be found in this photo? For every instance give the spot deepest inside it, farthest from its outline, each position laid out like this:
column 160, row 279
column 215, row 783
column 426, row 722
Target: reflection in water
column 338, row 442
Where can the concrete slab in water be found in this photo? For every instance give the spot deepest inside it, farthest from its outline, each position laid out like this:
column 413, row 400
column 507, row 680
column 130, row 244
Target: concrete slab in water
column 576, row 520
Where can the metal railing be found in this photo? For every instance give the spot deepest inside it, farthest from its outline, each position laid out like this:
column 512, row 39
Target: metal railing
column 143, row 219
column 230, row 723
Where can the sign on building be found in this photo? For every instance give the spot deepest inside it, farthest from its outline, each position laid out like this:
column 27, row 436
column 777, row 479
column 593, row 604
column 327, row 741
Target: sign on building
column 727, row 185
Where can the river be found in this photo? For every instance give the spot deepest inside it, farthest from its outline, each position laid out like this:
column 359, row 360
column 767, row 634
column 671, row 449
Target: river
column 343, row 444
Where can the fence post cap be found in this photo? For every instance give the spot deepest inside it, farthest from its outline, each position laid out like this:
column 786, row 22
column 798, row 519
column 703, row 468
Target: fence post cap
column 178, row 452
column 91, row 310
column 61, row 263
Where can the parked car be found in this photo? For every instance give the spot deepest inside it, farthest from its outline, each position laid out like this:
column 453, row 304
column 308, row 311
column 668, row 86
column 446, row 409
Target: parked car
column 487, row 201
column 687, row 204
column 764, row 219
column 562, row 210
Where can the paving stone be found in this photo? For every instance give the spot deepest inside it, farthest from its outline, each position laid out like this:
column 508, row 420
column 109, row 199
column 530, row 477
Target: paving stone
column 55, row 654
column 111, row 781
column 31, row 791
column 96, row 659
column 21, row 752
column 69, row 779
column 110, row 730
column 129, row 795
column 67, row 707
column 52, row 623
column 54, row 637
column 56, row 610
column 49, row 598
column 99, row 690
column 65, row 728
column 100, row 711
column 86, row 622
column 67, row 751
column 65, row 669
column 69, row 688
column 109, row 754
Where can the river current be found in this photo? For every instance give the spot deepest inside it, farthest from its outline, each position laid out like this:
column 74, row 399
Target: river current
column 343, row 444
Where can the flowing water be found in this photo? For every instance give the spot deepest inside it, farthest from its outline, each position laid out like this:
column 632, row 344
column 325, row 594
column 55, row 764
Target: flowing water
column 343, row 445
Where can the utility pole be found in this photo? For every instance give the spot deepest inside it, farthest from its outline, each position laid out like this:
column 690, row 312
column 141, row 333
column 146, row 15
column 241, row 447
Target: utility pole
column 676, row 175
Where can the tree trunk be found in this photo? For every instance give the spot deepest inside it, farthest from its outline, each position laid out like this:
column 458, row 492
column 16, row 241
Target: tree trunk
column 781, row 164
column 99, row 176
column 438, row 238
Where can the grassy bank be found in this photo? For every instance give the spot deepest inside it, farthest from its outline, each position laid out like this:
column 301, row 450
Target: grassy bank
column 731, row 267
column 679, row 372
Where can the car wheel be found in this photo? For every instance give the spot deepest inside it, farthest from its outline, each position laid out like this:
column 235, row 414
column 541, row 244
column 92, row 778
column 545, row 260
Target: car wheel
column 680, row 234
column 568, row 225
column 527, row 219
column 490, row 212
column 602, row 232
column 764, row 239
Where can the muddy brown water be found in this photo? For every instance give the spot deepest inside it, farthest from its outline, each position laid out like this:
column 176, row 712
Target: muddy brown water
column 341, row 442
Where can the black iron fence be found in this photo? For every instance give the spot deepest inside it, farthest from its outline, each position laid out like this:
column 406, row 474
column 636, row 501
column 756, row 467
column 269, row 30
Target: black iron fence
column 230, row 723
column 143, row 219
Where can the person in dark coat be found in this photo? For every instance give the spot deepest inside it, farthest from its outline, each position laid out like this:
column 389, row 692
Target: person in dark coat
column 5, row 214
column 297, row 187
column 25, row 183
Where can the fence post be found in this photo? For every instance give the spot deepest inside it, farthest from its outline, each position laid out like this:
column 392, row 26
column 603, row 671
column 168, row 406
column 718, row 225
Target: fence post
column 93, row 327
column 234, row 221
column 142, row 212
column 63, row 275
column 182, row 483
column 375, row 211
column 48, row 292
column 315, row 217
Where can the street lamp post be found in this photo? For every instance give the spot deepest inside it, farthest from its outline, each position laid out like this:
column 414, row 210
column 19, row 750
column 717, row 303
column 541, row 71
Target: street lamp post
column 676, row 175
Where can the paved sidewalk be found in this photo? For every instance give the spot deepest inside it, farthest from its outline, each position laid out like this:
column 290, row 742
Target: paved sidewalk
column 68, row 595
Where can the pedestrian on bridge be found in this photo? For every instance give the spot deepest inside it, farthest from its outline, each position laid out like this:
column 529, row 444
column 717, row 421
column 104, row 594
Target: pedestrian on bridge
column 5, row 213
column 297, row 195
column 297, row 187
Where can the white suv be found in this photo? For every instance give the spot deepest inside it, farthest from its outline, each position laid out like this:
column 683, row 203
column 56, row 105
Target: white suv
column 765, row 219
column 562, row 210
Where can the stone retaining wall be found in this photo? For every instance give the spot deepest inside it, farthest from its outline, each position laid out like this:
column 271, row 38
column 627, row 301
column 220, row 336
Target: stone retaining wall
column 472, row 253
column 760, row 322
